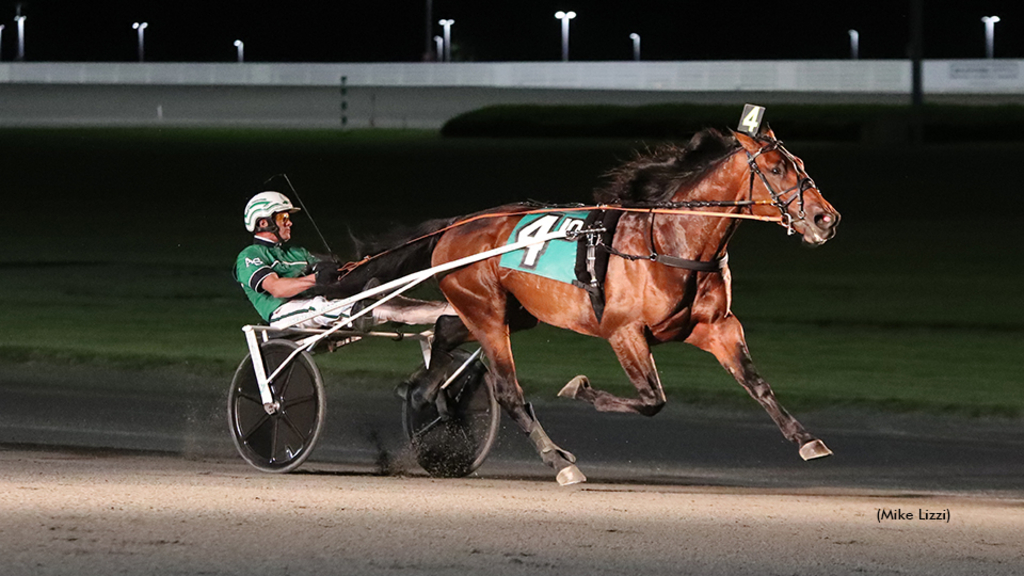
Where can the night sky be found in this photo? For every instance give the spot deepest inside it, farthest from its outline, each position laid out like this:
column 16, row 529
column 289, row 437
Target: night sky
column 498, row 30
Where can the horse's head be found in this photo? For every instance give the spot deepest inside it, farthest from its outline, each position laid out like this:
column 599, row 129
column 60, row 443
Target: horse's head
column 779, row 184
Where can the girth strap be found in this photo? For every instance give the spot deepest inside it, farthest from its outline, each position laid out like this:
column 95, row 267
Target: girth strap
column 672, row 261
column 697, row 265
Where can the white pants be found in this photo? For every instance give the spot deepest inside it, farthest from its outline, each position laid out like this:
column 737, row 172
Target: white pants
column 399, row 309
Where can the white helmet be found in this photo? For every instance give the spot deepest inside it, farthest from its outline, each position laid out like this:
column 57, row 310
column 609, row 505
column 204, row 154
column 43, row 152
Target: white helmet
column 265, row 205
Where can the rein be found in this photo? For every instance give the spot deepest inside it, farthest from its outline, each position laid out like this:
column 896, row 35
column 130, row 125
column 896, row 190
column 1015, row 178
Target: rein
column 674, row 208
column 684, row 208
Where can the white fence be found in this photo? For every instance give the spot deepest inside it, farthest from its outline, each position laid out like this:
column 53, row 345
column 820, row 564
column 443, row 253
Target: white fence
column 425, row 95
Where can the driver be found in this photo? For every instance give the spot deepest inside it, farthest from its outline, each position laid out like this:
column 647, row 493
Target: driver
column 281, row 280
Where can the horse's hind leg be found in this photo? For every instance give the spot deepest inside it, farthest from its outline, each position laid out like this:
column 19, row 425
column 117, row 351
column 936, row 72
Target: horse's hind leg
column 510, row 396
column 634, row 355
column 725, row 340
column 492, row 332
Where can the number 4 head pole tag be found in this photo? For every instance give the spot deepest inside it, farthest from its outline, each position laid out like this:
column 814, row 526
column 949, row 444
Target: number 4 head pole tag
column 750, row 121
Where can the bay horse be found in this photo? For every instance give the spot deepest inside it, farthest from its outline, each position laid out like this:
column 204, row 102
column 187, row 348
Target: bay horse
column 667, row 280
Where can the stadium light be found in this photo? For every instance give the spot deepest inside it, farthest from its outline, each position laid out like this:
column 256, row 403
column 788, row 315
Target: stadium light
column 141, row 27
column 565, row 17
column 636, row 46
column 854, row 44
column 241, row 50
column 439, row 48
column 21, row 38
column 990, row 34
column 447, row 23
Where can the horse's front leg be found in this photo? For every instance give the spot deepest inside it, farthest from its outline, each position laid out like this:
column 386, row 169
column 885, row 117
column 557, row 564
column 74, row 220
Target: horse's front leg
column 724, row 338
column 634, row 354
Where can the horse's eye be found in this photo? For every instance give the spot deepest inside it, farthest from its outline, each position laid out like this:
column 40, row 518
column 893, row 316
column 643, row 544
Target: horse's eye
column 777, row 169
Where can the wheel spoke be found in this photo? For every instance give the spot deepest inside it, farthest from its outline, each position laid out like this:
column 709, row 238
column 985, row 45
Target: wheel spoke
column 290, row 424
column 273, row 441
column 285, row 378
column 427, row 428
column 302, row 400
column 463, row 431
column 252, row 430
column 249, row 397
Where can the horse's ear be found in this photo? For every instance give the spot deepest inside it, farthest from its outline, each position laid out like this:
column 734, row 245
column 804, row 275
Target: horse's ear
column 766, row 132
column 746, row 141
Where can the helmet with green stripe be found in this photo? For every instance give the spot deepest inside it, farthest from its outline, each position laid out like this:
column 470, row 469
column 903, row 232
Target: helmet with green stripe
column 265, row 205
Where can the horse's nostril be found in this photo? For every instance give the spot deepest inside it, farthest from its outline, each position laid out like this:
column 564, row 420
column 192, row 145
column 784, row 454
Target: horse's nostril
column 825, row 220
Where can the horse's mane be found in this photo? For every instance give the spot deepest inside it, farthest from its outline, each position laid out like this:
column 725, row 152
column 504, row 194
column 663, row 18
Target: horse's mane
column 650, row 178
column 654, row 176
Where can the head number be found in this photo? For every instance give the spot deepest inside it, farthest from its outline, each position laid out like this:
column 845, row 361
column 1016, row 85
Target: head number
column 750, row 121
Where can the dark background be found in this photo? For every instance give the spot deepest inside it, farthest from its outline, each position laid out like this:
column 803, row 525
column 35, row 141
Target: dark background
column 501, row 30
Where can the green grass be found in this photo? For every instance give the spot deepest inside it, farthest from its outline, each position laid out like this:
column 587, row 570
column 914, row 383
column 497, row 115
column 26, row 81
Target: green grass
column 120, row 250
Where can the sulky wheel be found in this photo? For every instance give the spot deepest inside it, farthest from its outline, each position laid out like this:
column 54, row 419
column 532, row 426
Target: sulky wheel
column 453, row 440
column 281, row 441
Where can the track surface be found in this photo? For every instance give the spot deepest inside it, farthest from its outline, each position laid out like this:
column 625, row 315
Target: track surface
column 88, row 513
column 98, row 478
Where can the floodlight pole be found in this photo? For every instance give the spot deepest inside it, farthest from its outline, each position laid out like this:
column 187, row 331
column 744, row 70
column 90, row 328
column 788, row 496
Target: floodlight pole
column 1, row 41
column 565, row 17
column 241, row 50
column 447, row 23
column 990, row 34
column 21, row 38
column 141, row 27
column 636, row 46
column 438, row 48
column 854, row 44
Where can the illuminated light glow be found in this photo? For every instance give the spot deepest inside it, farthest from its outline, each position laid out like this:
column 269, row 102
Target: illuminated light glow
column 565, row 17
column 447, row 23
column 141, row 27
column 990, row 35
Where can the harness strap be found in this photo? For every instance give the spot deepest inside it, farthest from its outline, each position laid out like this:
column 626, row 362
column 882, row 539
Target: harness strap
column 697, row 265
column 676, row 262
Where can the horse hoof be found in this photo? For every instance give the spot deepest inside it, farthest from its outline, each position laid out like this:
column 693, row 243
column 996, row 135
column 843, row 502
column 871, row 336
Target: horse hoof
column 814, row 449
column 572, row 389
column 570, row 475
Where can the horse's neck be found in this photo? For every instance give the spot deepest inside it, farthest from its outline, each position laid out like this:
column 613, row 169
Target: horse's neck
column 727, row 182
column 708, row 237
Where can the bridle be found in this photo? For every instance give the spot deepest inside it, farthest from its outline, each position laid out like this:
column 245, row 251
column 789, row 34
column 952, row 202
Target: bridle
column 803, row 184
column 778, row 200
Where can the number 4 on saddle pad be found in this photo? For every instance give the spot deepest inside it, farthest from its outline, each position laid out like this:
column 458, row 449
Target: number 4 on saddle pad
column 555, row 259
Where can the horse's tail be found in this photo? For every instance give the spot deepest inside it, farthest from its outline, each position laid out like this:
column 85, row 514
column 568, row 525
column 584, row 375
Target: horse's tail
column 385, row 258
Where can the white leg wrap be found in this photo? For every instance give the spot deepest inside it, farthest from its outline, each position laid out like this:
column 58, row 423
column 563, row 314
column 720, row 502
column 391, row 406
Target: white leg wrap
column 410, row 311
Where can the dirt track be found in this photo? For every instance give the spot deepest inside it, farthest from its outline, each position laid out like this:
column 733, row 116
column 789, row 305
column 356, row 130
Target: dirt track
column 694, row 491
column 91, row 513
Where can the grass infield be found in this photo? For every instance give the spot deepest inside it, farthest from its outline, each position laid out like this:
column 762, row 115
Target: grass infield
column 120, row 245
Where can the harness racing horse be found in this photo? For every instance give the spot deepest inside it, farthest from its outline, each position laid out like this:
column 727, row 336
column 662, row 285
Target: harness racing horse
column 679, row 290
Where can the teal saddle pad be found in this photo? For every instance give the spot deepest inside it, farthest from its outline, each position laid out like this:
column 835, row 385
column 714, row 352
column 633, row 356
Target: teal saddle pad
column 555, row 259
